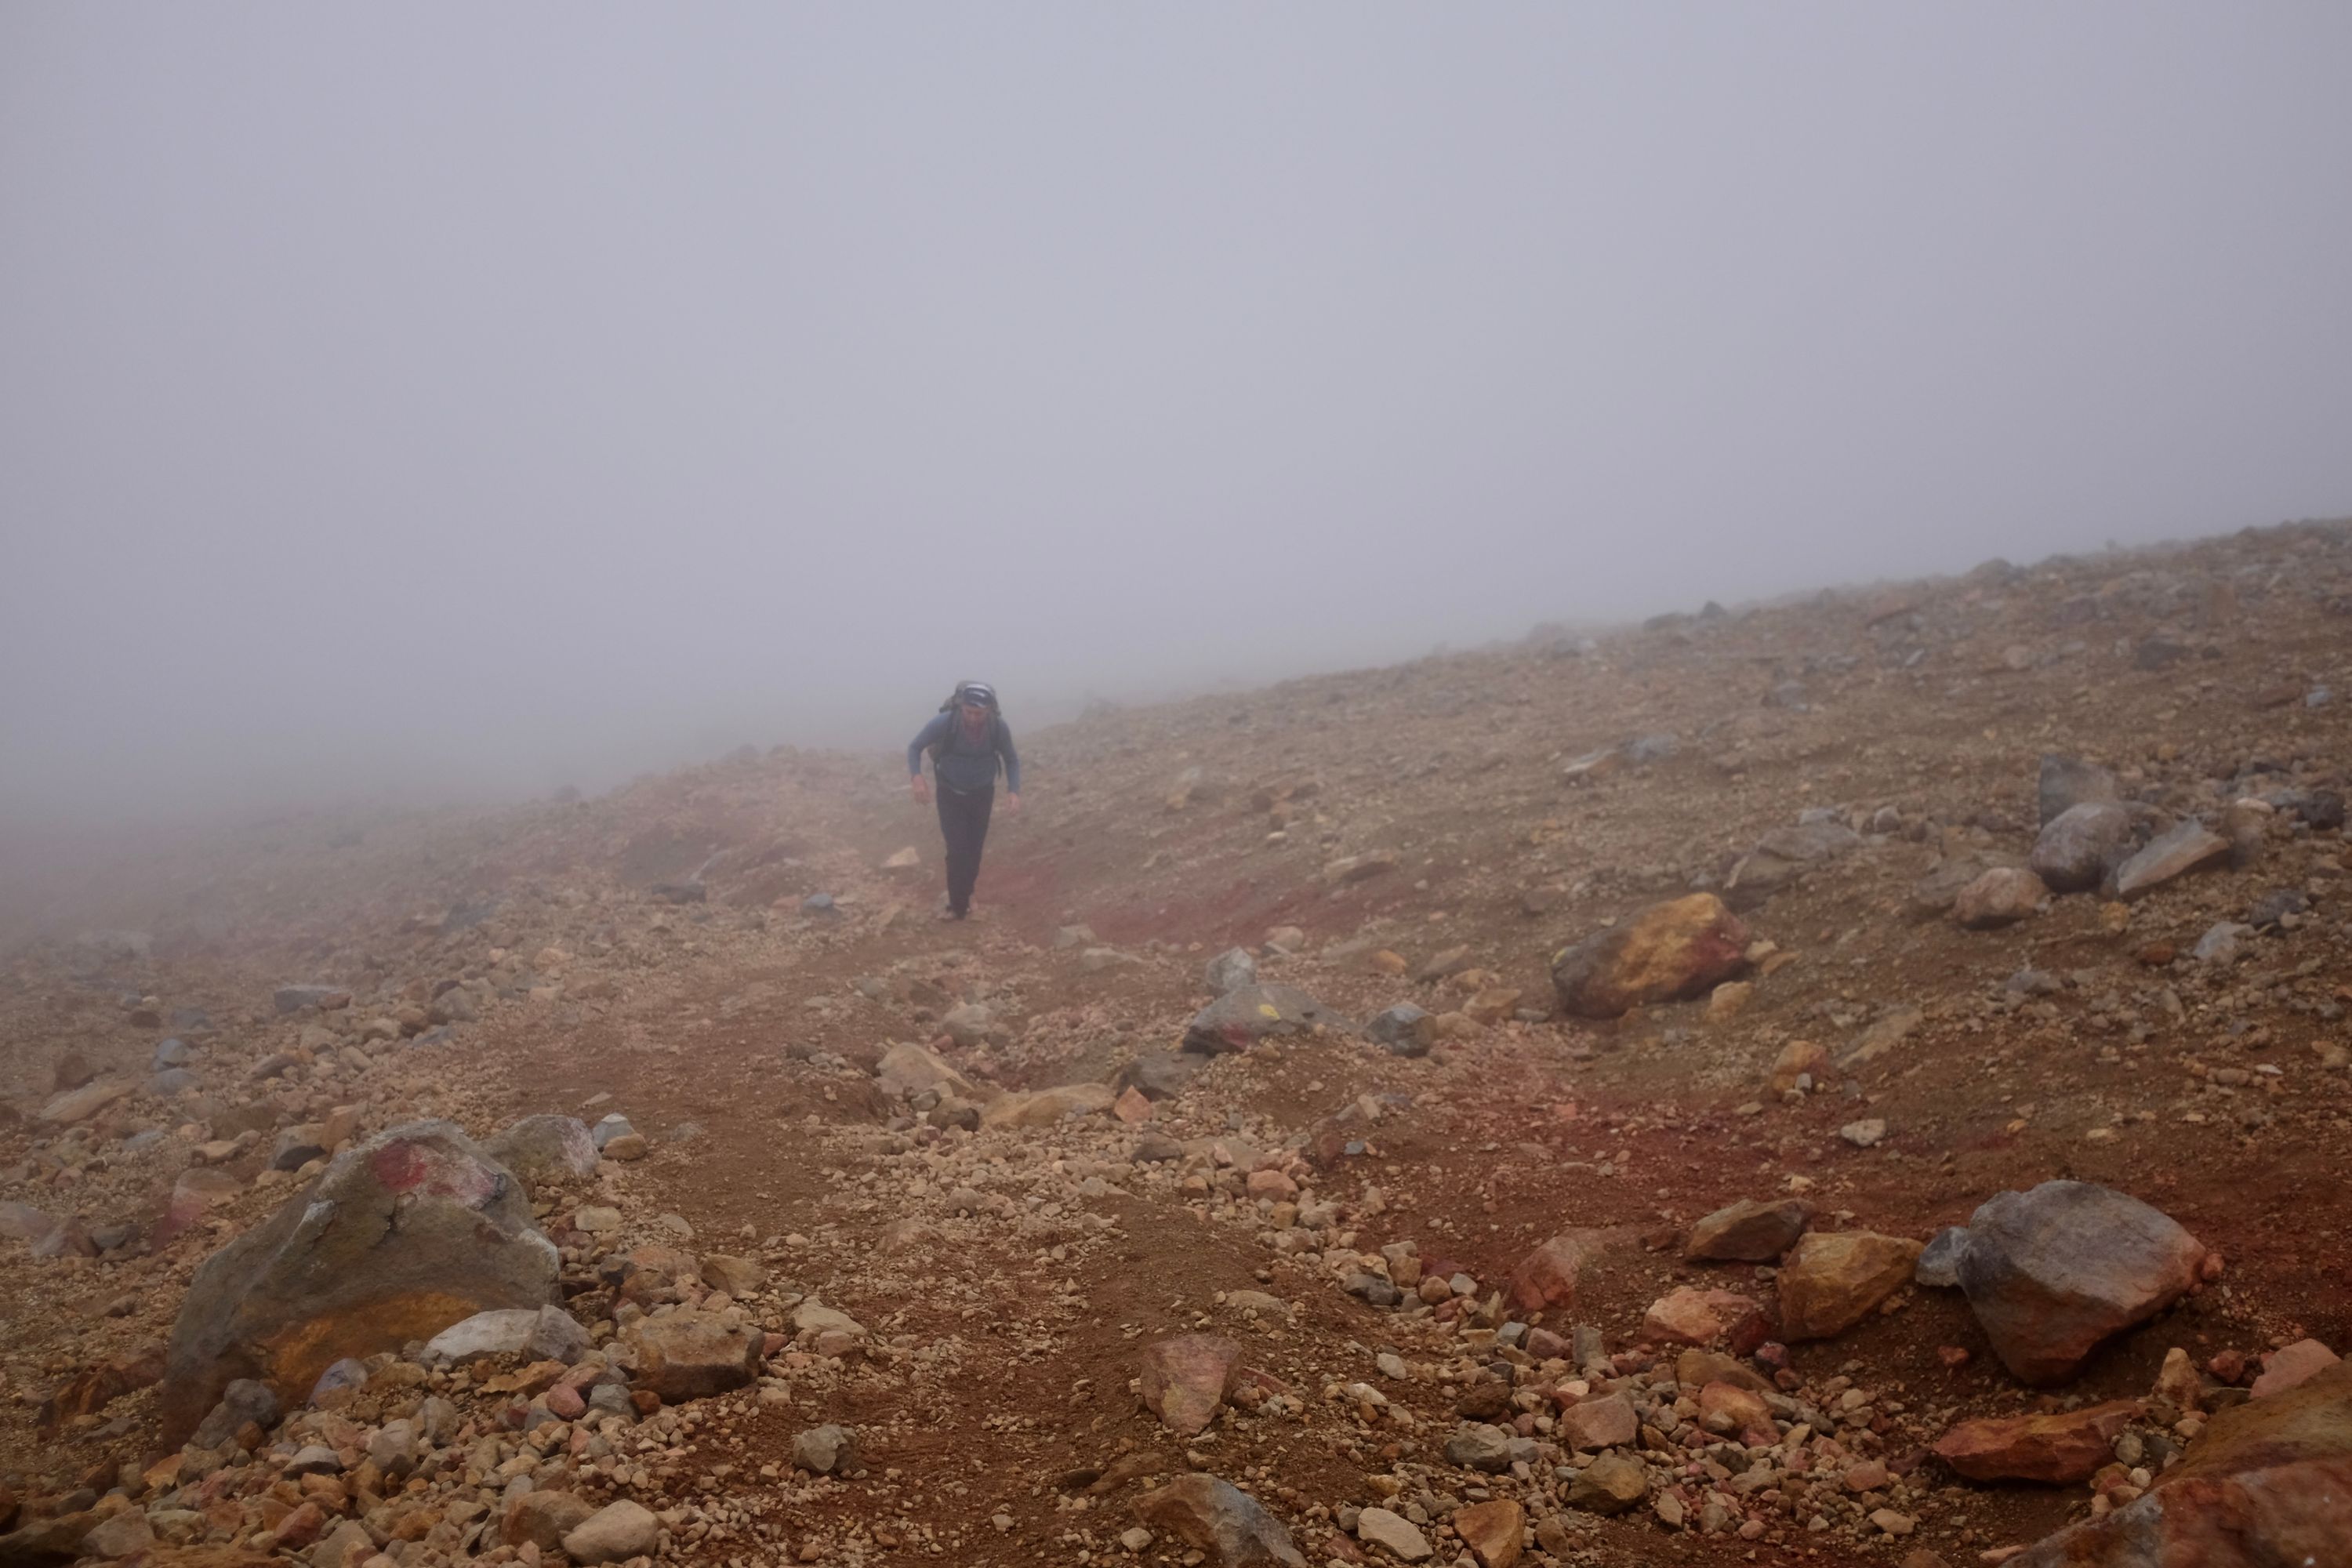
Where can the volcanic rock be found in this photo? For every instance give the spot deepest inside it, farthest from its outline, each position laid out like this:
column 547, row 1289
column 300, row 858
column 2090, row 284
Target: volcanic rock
column 401, row 1236
column 1669, row 951
column 2051, row 1272
column 1833, row 1279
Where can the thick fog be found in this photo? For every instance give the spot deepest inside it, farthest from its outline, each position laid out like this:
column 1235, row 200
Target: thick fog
column 421, row 402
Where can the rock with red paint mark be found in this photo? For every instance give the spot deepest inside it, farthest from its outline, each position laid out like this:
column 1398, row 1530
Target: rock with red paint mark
column 1749, row 1231
column 2293, row 1366
column 1686, row 1316
column 1186, row 1378
column 2062, row 1447
column 1220, row 1520
column 1241, row 1018
column 2051, row 1272
column 1833, row 1279
column 399, row 1238
column 2270, row 1482
column 1547, row 1277
column 1670, row 952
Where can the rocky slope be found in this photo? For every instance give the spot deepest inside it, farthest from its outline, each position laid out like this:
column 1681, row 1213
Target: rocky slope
column 1568, row 1171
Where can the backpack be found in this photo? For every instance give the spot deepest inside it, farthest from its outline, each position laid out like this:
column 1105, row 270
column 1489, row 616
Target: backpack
column 940, row 747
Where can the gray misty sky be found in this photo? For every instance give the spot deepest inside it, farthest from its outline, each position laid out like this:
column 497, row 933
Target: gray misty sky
column 445, row 399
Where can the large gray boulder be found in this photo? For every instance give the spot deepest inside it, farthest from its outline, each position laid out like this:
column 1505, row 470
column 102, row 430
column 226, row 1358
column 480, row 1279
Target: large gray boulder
column 398, row 1238
column 2051, row 1272
column 1239, row 1020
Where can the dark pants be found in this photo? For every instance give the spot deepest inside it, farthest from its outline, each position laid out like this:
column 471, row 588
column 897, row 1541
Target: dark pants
column 963, row 821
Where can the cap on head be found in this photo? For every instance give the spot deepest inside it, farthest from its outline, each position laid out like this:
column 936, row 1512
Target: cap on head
column 978, row 692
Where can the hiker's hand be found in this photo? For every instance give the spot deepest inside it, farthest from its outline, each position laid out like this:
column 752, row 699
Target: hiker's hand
column 923, row 789
column 1012, row 804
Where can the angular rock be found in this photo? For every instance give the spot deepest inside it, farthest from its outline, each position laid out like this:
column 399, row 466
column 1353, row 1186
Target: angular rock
column 908, row 1069
column 1734, row 1410
column 1833, row 1279
column 2069, row 782
column 1670, row 952
column 1159, row 1075
column 542, row 1334
column 1220, row 1520
column 543, row 1148
column 2080, row 846
column 1239, row 1020
column 1749, row 1231
column 294, row 999
column 2292, row 1367
column 739, row 1277
column 1608, row 1422
column 1686, row 1316
column 2187, row 847
column 686, row 1355
column 2051, row 1272
column 542, row 1517
column 1800, row 1060
column 401, row 1236
column 827, row 1450
column 1045, row 1107
column 612, row 1127
column 614, row 1533
column 298, row 1146
column 1405, row 1030
column 1479, row 1446
column 1783, row 854
column 1394, row 1532
column 2269, row 1484
column 2061, row 1448
column 1186, row 1378
column 2003, row 895
column 1494, row 1531
column 1547, row 1277
column 79, row 1105
column 1939, row 1261
column 244, row 1403
column 1610, row 1484
column 1231, row 970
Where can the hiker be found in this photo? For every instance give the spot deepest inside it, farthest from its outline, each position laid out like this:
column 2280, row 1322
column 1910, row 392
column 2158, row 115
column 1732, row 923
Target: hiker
column 967, row 742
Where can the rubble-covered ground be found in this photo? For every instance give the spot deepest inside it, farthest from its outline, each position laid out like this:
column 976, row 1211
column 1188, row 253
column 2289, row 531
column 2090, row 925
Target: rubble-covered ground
column 921, row 1241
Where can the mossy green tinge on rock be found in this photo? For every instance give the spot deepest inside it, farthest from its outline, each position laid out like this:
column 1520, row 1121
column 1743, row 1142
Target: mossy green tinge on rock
column 1668, row 952
column 399, row 1238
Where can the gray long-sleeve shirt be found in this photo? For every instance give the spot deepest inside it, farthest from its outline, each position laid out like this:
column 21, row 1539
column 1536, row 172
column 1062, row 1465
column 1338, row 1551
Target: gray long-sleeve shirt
column 962, row 767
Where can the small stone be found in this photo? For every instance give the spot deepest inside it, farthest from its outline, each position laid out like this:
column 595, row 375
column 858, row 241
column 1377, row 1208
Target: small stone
column 1749, row 1231
column 825, row 1450
column 1605, row 1423
column 1865, row 1133
column 1939, row 1261
column 614, row 1533
column 1833, row 1279
column 1610, row 1484
column 1479, row 1446
column 1392, row 1531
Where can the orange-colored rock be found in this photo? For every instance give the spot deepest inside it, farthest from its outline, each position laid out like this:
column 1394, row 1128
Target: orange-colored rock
column 1493, row 1531
column 1669, row 951
column 2062, row 1447
column 1830, row 1280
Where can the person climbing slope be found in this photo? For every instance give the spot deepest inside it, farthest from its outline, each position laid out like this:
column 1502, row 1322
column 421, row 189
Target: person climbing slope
column 968, row 741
